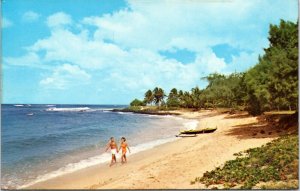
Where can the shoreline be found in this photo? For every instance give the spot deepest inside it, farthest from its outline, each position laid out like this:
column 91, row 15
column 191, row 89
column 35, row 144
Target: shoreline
column 146, row 112
column 156, row 167
column 102, row 158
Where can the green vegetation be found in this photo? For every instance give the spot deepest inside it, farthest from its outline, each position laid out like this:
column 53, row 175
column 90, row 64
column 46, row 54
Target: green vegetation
column 173, row 98
column 147, row 110
column 158, row 96
column 137, row 102
column 272, row 84
column 275, row 161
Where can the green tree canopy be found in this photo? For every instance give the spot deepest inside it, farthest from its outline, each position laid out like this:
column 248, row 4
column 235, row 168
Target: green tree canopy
column 137, row 102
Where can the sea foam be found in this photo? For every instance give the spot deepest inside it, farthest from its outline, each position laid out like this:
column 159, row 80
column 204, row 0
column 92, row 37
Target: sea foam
column 68, row 109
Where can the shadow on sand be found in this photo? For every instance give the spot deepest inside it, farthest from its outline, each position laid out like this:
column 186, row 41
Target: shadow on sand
column 254, row 130
column 264, row 128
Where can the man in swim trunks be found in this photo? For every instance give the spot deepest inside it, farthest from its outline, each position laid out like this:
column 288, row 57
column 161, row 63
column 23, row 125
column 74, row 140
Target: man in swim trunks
column 114, row 150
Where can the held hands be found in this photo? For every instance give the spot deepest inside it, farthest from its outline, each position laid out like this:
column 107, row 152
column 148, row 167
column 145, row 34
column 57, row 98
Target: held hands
column 106, row 148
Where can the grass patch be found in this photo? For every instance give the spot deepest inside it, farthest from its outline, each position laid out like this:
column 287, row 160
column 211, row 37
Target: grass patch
column 275, row 161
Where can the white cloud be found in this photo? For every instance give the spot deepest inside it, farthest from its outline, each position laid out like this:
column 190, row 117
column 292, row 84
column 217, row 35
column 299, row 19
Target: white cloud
column 6, row 23
column 194, row 24
column 147, row 70
column 242, row 62
column 30, row 16
column 208, row 62
column 64, row 77
column 64, row 45
column 157, row 24
column 58, row 20
column 131, row 62
column 31, row 59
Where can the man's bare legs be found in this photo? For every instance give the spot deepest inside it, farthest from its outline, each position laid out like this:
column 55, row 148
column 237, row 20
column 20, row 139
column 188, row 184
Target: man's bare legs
column 113, row 160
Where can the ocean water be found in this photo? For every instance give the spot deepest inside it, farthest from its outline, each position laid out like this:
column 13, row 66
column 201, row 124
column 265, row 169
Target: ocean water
column 39, row 142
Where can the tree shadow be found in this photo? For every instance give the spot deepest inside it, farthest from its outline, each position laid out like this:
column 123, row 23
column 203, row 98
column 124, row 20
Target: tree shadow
column 254, row 130
column 267, row 126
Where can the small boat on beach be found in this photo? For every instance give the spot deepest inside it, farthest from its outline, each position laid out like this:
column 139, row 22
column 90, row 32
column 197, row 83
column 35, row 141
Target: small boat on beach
column 199, row 131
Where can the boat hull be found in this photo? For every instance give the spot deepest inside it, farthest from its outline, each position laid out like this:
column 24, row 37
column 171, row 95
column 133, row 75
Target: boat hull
column 198, row 131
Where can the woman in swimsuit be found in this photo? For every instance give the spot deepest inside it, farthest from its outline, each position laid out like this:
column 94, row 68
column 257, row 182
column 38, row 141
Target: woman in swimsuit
column 124, row 147
column 114, row 150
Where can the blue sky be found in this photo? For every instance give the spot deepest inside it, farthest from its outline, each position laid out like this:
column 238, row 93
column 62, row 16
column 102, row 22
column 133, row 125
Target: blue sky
column 110, row 52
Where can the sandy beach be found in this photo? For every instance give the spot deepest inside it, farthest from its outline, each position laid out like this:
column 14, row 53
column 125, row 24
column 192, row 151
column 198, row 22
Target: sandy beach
column 173, row 165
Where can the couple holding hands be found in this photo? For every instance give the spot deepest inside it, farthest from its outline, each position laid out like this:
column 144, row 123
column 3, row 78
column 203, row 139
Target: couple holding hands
column 114, row 150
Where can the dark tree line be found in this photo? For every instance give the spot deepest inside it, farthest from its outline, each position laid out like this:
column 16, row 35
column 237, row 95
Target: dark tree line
column 271, row 84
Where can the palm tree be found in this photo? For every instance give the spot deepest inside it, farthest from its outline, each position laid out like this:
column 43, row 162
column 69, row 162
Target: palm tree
column 195, row 94
column 174, row 92
column 158, row 95
column 173, row 98
column 187, row 100
column 180, row 97
column 149, row 97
